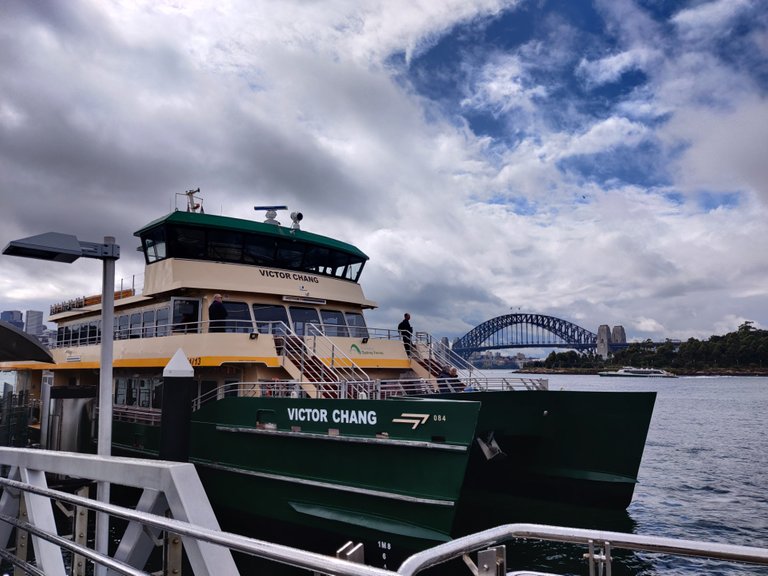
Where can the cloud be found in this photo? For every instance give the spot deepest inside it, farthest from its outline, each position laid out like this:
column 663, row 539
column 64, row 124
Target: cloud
column 502, row 86
column 513, row 185
column 726, row 149
column 710, row 20
column 611, row 68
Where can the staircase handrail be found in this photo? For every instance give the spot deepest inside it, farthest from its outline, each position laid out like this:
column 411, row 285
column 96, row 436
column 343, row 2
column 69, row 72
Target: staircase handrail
column 438, row 351
column 340, row 363
column 340, row 367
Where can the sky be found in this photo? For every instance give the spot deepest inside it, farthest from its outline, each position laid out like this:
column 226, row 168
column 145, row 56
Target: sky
column 603, row 162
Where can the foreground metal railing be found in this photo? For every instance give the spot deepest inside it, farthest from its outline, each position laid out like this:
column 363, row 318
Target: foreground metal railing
column 175, row 487
column 599, row 559
column 165, row 487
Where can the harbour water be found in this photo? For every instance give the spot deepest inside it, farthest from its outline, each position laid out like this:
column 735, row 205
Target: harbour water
column 704, row 475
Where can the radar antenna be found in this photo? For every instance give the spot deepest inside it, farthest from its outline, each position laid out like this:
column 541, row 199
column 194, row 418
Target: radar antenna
column 271, row 213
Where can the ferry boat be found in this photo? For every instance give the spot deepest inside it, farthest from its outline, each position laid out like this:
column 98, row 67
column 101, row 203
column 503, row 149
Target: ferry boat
column 304, row 416
column 631, row 372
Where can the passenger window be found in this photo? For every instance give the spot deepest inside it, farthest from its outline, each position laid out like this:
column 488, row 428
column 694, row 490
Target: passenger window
column 333, row 323
column 135, row 325
column 122, row 327
column 356, row 324
column 148, row 321
column 238, row 317
column 270, row 318
column 120, row 391
column 162, row 322
column 186, row 315
column 302, row 317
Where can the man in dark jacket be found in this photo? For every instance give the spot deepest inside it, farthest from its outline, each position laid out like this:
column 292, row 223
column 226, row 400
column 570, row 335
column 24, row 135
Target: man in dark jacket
column 217, row 315
column 406, row 332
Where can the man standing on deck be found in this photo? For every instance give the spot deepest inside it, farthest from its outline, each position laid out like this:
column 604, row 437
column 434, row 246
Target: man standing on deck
column 217, row 313
column 406, row 332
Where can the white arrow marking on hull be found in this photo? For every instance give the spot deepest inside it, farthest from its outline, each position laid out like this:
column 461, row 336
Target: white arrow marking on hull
column 415, row 419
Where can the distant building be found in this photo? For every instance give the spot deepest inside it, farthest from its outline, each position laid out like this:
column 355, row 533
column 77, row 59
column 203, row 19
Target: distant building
column 489, row 360
column 13, row 317
column 48, row 337
column 34, row 323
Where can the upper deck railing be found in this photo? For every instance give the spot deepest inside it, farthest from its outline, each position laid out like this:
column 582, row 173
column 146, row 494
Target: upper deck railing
column 360, row 390
column 91, row 335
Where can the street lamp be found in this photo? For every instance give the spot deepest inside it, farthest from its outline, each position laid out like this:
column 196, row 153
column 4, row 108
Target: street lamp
column 67, row 248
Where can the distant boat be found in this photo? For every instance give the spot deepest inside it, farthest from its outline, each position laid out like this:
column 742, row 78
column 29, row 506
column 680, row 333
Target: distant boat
column 630, row 372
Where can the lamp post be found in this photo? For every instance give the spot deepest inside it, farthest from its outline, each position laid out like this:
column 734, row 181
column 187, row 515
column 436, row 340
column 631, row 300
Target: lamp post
column 67, row 248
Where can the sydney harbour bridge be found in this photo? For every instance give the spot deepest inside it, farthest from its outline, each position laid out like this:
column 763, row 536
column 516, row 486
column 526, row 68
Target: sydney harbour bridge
column 538, row 331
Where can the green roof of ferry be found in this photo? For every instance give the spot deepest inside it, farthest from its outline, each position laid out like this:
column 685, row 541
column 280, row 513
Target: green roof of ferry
column 238, row 224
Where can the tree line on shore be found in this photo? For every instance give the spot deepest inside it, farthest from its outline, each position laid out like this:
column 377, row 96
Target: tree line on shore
column 744, row 351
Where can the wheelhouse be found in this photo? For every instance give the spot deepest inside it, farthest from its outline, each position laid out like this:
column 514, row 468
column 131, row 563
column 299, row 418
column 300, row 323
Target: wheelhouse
column 195, row 236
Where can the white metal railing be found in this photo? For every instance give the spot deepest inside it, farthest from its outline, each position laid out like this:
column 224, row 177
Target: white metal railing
column 167, row 486
column 317, row 357
column 434, row 350
column 363, row 389
column 323, row 347
column 600, row 558
column 133, row 414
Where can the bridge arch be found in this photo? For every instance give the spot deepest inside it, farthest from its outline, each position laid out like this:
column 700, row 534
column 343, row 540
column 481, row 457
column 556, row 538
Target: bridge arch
column 524, row 331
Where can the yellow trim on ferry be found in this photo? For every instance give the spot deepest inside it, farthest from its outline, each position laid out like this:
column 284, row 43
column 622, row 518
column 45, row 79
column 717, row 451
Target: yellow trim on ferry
column 269, row 361
column 215, row 361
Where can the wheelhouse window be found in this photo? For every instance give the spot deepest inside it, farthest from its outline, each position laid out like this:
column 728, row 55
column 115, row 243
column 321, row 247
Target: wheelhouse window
column 333, row 323
column 290, row 254
column 225, row 246
column 270, row 318
column 318, row 259
column 259, row 250
column 259, row 247
column 353, row 270
column 154, row 244
column 189, row 243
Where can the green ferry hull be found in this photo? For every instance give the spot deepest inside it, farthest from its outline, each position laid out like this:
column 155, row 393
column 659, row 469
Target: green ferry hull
column 580, row 448
column 302, row 462
column 459, row 463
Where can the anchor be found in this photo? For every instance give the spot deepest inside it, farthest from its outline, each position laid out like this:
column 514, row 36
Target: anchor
column 490, row 448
